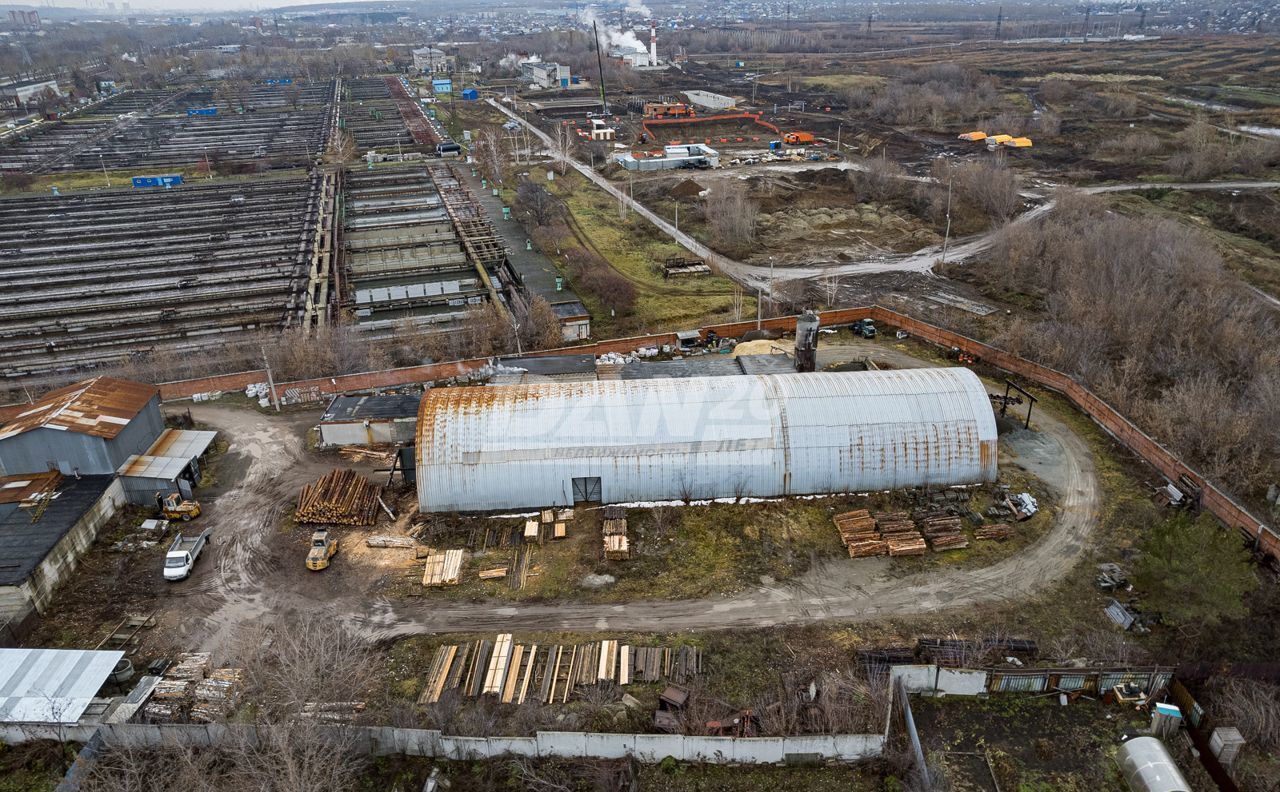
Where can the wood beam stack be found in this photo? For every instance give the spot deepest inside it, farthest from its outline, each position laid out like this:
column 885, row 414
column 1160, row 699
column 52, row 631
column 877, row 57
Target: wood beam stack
column 944, row 533
column 549, row 674
column 444, row 567
column 998, row 532
column 858, row 533
column 339, row 497
column 616, row 545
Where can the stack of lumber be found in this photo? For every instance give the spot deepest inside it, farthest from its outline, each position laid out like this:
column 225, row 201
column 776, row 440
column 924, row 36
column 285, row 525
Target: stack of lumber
column 899, row 532
column 444, row 567
column 390, row 541
column 217, row 694
column 531, row 528
column 339, row 497
column 497, row 573
column 944, row 533
column 856, row 527
column 171, row 696
column 515, row 672
column 616, row 546
column 998, row 532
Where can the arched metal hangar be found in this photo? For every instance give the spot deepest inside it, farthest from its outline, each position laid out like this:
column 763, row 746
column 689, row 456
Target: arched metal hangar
column 553, row 444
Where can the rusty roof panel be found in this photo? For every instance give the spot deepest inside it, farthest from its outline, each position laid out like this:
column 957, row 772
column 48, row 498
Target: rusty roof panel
column 703, row 437
column 101, row 407
column 16, row 489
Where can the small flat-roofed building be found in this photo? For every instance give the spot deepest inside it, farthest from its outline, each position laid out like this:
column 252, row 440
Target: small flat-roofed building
column 369, row 420
column 51, row 686
column 171, row 464
column 89, row 428
column 42, row 540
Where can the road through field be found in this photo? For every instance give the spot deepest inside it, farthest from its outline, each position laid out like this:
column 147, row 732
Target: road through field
column 921, row 261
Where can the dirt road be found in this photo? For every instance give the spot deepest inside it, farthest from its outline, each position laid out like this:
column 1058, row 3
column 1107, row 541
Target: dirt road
column 254, row 570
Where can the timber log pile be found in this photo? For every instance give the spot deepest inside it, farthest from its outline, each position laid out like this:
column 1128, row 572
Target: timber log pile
column 339, row 497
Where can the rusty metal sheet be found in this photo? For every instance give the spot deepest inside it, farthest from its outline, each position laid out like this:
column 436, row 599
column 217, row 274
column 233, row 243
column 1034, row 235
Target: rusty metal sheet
column 101, row 407
column 16, row 489
column 703, row 437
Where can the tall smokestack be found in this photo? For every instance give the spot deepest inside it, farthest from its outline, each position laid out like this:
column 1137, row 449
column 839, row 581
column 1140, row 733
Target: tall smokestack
column 653, row 43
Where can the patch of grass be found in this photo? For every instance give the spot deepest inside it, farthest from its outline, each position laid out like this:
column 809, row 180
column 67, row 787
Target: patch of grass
column 34, row 766
column 841, row 82
column 636, row 250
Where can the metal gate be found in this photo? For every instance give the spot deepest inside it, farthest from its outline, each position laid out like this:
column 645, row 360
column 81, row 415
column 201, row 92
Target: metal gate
column 587, row 489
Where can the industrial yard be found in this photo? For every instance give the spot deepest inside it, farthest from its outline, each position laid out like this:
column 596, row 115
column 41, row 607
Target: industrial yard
column 627, row 398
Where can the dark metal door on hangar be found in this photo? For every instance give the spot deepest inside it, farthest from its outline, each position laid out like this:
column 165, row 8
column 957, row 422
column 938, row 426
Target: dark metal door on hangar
column 587, row 489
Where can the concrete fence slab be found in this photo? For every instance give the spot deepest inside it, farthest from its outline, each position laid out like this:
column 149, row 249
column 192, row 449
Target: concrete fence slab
column 513, row 746
column 609, row 746
column 961, row 682
column 654, row 748
column 917, row 678
column 464, row 748
column 568, row 744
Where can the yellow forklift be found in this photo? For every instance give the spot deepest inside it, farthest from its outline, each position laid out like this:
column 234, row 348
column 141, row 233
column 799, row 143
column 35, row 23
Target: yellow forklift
column 175, row 507
column 322, row 549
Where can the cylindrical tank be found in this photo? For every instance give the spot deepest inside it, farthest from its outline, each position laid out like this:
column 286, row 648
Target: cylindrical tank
column 1148, row 767
column 807, row 342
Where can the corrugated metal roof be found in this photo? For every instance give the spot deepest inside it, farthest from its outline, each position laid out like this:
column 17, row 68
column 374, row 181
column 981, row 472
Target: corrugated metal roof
column 51, row 685
column 153, row 467
column 653, row 439
column 101, row 407
column 181, row 443
column 363, row 408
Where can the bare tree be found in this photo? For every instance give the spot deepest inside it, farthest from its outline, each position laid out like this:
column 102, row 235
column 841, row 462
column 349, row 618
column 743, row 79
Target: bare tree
column 830, row 285
column 731, row 216
column 541, row 328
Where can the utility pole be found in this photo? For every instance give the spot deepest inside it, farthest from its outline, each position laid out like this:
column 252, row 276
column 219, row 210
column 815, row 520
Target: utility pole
column 839, row 129
column 105, row 175
column 677, row 217
column 999, row 21
column 271, row 382
column 947, row 236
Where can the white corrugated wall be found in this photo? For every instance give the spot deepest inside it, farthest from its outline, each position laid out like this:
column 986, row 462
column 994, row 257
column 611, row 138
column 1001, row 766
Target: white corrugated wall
column 784, row 434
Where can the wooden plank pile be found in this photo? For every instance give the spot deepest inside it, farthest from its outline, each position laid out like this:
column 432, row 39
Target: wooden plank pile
column 171, row 698
column 998, row 532
column 367, row 454
column 217, row 694
column 339, row 497
column 616, row 545
column 444, row 567
column 899, row 532
column 516, row 672
column 944, row 532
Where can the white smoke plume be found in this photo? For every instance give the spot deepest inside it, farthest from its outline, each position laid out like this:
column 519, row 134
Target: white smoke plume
column 611, row 36
column 637, row 7
column 513, row 60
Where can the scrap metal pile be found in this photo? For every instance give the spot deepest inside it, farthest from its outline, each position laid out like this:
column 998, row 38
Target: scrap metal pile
column 519, row 672
column 339, row 497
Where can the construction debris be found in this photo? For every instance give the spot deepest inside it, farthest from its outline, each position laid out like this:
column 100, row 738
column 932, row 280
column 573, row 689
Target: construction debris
column 548, row 674
column 616, row 548
column 443, row 568
column 390, row 541
column 340, row 497
column 368, row 455
column 332, row 711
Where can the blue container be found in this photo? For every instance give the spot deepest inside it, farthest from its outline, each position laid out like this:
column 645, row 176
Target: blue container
column 202, row 111
column 471, row 94
column 169, row 180
column 441, row 86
